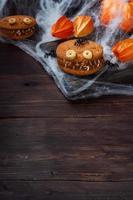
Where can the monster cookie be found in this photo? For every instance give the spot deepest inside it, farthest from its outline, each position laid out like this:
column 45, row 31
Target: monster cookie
column 17, row 27
column 80, row 57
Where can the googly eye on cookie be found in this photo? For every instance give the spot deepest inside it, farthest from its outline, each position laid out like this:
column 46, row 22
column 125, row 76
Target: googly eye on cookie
column 17, row 27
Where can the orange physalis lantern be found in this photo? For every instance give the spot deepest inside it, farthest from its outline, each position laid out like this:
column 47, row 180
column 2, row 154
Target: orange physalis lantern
column 123, row 50
column 127, row 21
column 111, row 9
column 63, row 28
column 83, row 26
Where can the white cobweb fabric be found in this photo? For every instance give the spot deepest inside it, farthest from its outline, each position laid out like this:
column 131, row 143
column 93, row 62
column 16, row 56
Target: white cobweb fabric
column 115, row 78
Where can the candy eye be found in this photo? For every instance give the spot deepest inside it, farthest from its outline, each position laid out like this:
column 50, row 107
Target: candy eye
column 71, row 54
column 12, row 21
column 87, row 54
column 27, row 20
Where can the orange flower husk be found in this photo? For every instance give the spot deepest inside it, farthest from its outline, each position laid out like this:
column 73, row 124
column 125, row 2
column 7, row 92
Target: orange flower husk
column 110, row 9
column 63, row 28
column 83, row 26
column 127, row 21
column 123, row 50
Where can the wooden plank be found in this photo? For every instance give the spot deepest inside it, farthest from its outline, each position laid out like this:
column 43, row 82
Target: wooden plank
column 14, row 61
column 40, row 88
column 32, row 107
column 28, row 88
column 95, row 149
column 52, row 190
column 13, row 88
column 37, row 96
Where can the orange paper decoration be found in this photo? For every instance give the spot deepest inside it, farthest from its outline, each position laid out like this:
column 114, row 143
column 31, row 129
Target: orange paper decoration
column 63, row 28
column 123, row 50
column 83, row 26
column 111, row 9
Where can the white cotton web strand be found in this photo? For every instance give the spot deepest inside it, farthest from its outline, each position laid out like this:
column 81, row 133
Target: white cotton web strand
column 2, row 4
column 49, row 12
column 86, row 6
column 47, row 15
column 109, row 36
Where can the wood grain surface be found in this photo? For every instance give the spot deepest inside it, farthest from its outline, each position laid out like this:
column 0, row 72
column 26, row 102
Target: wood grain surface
column 51, row 148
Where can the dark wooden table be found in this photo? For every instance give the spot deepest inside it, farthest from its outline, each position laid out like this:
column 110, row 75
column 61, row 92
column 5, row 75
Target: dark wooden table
column 54, row 149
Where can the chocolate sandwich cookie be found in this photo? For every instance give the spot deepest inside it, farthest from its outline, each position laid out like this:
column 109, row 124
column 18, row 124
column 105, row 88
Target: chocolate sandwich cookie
column 80, row 57
column 17, row 27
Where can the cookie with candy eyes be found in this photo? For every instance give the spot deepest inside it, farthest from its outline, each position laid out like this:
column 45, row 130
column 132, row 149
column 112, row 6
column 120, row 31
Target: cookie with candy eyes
column 80, row 57
column 17, row 27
